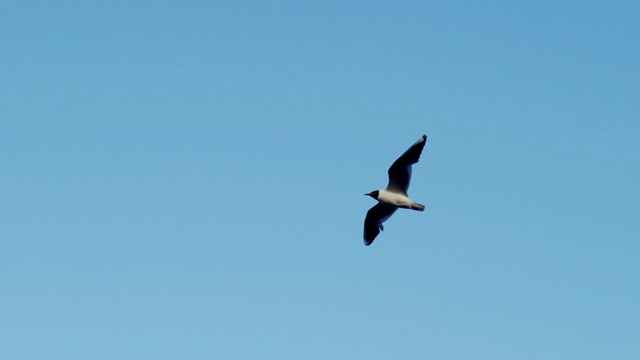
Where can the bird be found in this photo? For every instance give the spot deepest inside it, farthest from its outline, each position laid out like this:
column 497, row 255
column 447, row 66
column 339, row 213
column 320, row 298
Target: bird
column 395, row 195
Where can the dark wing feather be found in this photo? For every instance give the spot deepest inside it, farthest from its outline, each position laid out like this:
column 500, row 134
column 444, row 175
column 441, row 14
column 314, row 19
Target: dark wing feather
column 400, row 170
column 373, row 222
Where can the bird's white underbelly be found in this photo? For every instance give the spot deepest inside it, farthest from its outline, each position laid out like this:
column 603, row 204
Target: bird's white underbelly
column 394, row 199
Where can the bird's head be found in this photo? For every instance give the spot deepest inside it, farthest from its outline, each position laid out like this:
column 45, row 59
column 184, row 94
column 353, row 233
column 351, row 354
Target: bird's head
column 374, row 194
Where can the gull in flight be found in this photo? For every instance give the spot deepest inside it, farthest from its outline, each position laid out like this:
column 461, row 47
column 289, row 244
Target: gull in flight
column 395, row 195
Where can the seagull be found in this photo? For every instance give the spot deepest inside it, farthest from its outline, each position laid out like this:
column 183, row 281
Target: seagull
column 395, row 195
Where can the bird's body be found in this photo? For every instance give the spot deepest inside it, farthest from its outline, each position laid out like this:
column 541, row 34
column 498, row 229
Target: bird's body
column 398, row 200
column 395, row 195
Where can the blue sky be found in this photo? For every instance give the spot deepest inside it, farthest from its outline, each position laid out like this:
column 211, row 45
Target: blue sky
column 185, row 180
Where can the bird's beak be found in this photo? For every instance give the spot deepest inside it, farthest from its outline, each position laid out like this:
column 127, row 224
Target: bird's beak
column 366, row 194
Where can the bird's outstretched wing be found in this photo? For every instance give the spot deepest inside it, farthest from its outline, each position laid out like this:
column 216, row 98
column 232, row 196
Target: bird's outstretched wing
column 400, row 170
column 373, row 222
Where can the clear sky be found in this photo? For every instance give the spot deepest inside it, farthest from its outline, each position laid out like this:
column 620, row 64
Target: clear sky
column 185, row 180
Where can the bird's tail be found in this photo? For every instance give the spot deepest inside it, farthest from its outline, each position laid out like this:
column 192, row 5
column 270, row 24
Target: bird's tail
column 416, row 206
